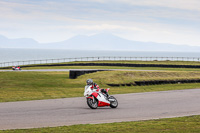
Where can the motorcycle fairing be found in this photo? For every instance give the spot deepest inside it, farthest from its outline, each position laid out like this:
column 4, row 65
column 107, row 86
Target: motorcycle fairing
column 100, row 104
column 95, row 94
column 107, row 89
column 98, row 95
column 101, row 99
column 90, row 97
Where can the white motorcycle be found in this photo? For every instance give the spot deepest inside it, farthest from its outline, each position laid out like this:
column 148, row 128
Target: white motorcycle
column 16, row 68
column 98, row 99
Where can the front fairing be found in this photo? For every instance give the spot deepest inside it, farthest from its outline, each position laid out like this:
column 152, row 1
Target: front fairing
column 103, row 101
column 88, row 91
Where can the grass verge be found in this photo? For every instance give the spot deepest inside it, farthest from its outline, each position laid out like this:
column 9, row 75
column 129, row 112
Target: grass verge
column 189, row 124
column 21, row 86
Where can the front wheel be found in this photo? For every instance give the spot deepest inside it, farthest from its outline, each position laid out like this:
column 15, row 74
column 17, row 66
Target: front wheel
column 93, row 104
column 113, row 103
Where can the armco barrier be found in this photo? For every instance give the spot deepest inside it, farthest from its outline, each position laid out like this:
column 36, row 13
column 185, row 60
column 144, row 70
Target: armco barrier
column 121, row 65
column 157, row 82
column 102, row 58
column 114, row 64
column 75, row 73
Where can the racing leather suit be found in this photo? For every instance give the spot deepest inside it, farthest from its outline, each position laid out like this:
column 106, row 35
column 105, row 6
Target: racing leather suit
column 96, row 88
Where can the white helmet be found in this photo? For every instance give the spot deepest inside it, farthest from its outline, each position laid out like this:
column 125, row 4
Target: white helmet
column 89, row 82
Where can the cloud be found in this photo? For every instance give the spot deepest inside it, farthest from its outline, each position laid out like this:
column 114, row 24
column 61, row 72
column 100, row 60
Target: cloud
column 144, row 20
column 179, row 4
column 102, row 27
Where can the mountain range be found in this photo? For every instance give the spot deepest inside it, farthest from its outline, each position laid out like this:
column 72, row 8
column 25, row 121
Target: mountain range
column 95, row 42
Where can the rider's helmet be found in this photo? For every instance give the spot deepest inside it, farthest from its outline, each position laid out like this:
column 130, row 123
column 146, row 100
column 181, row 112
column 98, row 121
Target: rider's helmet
column 89, row 82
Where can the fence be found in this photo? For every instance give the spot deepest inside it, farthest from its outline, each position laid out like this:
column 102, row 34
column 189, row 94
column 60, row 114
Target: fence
column 104, row 58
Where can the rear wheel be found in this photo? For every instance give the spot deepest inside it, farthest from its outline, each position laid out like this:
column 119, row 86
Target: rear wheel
column 113, row 102
column 93, row 104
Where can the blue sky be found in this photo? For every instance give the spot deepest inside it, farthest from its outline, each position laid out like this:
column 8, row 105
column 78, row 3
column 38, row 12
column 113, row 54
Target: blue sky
column 164, row 21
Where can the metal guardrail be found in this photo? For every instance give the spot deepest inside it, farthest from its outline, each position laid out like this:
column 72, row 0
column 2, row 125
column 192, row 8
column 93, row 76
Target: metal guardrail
column 104, row 58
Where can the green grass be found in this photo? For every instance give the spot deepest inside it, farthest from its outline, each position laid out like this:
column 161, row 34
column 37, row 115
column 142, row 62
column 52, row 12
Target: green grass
column 17, row 86
column 20, row 86
column 122, row 77
column 189, row 124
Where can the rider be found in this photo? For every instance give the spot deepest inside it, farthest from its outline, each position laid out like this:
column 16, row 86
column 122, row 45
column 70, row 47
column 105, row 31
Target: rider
column 95, row 87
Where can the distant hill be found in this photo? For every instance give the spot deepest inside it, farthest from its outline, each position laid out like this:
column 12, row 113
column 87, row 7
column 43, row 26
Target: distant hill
column 18, row 43
column 95, row 42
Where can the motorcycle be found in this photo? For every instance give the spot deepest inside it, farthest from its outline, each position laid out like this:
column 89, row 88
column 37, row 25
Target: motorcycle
column 99, row 99
column 16, row 68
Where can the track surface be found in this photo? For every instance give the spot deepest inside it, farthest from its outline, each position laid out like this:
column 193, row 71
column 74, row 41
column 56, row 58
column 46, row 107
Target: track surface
column 33, row 70
column 69, row 111
column 67, row 70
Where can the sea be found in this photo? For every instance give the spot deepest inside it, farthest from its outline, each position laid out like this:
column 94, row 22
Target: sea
column 11, row 54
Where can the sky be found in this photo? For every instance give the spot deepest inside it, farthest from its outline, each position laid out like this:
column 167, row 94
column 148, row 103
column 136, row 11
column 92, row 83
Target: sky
column 162, row 21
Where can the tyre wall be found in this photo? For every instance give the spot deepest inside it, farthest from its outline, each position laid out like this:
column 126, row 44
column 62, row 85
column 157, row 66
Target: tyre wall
column 73, row 74
column 157, row 82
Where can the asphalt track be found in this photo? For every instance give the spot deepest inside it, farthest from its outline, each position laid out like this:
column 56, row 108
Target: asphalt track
column 70, row 111
column 67, row 70
column 36, row 70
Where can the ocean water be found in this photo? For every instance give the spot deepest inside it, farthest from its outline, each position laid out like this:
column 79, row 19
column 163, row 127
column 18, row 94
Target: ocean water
column 9, row 55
